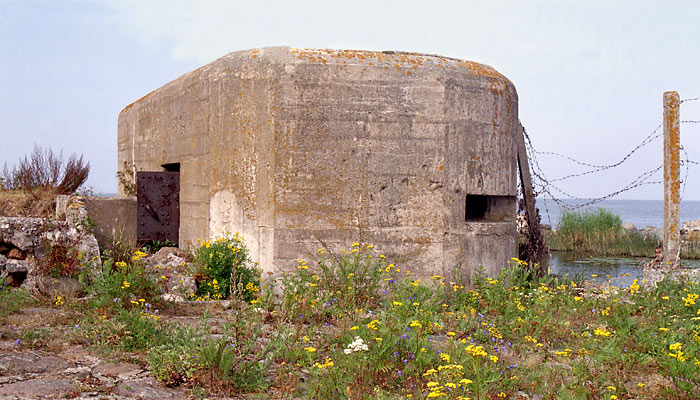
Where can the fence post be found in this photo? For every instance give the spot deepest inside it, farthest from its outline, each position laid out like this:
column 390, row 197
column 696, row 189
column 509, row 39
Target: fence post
column 535, row 238
column 672, row 183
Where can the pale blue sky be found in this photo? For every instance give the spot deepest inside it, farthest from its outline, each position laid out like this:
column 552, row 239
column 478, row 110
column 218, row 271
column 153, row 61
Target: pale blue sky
column 590, row 74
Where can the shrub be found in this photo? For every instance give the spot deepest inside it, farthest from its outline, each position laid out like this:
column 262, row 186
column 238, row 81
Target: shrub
column 12, row 299
column 45, row 170
column 224, row 268
column 60, row 261
column 118, row 249
column 135, row 327
column 339, row 283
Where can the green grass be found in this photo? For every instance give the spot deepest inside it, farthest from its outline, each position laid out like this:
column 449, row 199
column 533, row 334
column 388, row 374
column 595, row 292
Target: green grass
column 11, row 300
column 352, row 325
column 600, row 232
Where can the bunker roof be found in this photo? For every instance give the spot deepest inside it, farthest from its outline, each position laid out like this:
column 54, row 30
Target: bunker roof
column 401, row 61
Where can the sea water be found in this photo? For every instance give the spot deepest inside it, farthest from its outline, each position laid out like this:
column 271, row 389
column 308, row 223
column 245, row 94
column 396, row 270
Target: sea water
column 620, row 271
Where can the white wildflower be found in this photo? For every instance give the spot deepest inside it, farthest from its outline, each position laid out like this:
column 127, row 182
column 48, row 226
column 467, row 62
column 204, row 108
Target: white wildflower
column 357, row 345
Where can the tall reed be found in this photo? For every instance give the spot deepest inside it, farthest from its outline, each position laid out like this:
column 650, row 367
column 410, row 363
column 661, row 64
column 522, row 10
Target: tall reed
column 599, row 232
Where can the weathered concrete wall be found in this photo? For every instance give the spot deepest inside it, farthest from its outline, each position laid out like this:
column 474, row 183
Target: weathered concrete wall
column 109, row 217
column 114, row 218
column 291, row 146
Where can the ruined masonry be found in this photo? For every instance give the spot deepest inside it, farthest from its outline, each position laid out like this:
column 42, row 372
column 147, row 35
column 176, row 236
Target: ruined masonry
column 294, row 148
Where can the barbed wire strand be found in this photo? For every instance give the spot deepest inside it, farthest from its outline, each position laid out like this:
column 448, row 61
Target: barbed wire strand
column 637, row 182
column 538, row 175
column 648, row 139
column 684, row 162
column 543, row 186
column 543, row 182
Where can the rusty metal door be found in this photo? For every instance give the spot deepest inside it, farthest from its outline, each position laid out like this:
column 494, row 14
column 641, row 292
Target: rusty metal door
column 158, row 206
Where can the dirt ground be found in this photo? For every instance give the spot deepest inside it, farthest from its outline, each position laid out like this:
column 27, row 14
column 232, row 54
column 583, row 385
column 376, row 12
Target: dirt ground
column 41, row 359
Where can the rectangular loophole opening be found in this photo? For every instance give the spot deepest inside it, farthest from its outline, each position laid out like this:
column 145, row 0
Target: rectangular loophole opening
column 485, row 208
column 173, row 167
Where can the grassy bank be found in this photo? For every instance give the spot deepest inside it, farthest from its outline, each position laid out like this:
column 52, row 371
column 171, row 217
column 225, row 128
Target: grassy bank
column 600, row 232
column 353, row 325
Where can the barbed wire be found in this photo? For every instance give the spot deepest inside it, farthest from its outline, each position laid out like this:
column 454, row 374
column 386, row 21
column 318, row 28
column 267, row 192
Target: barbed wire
column 542, row 186
column 641, row 180
column 598, row 168
column 684, row 162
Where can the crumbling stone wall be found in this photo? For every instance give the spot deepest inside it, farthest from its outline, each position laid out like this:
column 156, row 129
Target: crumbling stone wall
column 293, row 147
column 25, row 242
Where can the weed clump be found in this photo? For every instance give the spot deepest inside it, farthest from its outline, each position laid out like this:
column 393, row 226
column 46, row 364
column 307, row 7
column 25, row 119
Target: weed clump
column 121, row 285
column 224, row 268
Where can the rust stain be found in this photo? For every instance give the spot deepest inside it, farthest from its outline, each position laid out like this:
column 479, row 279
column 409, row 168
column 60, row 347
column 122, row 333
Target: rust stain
column 672, row 163
column 127, row 108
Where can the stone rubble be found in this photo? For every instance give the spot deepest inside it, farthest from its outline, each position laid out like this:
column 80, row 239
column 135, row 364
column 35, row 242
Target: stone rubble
column 174, row 267
column 74, row 373
column 24, row 241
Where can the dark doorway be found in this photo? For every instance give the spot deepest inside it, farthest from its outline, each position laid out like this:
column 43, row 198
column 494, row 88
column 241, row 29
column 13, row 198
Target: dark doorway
column 158, row 206
column 173, row 167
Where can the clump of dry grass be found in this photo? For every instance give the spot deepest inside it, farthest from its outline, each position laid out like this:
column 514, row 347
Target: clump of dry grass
column 30, row 188
column 20, row 203
column 44, row 170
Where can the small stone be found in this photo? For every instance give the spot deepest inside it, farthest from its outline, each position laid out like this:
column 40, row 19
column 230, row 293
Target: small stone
column 42, row 388
column 120, row 370
column 146, row 389
column 61, row 286
column 22, row 363
column 168, row 254
column 630, row 227
column 16, row 254
column 13, row 266
column 77, row 372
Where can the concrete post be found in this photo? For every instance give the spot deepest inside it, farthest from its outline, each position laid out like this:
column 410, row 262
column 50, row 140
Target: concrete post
column 672, row 183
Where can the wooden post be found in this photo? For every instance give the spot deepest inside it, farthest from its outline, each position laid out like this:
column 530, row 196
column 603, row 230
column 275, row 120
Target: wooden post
column 672, row 183
column 525, row 179
column 534, row 233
